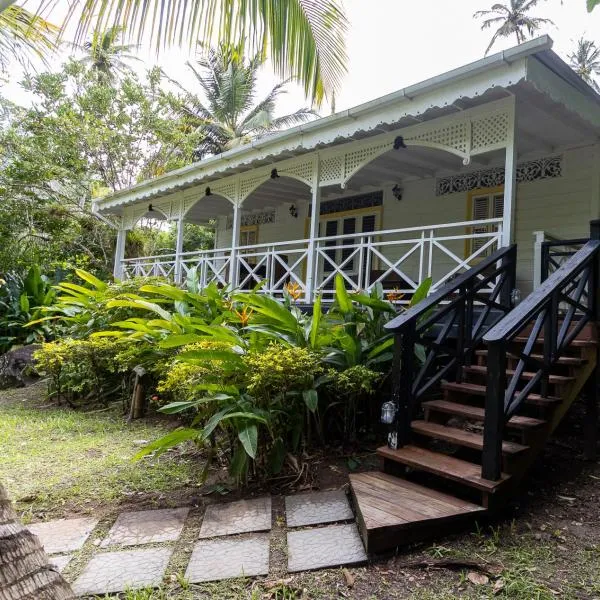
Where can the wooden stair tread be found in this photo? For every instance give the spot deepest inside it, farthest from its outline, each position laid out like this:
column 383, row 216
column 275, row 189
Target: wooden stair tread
column 390, row 508
column 474, row 389
column 443, row 465
column 573, row 361
column 560, row 379
column 477, row 413
column 461, row 437
column 576, row 343
column 587, row 337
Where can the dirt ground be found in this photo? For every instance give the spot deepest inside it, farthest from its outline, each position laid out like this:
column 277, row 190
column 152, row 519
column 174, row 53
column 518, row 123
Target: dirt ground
column 546, row 544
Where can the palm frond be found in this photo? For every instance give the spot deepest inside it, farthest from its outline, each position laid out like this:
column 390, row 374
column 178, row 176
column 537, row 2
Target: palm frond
column 304, row 39
column 24, row 34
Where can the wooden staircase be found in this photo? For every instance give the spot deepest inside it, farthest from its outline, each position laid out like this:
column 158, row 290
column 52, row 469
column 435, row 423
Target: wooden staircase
column 432, row 481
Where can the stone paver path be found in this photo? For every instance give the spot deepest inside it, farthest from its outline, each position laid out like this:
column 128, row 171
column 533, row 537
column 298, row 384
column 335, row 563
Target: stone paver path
column 64, row 535
column 146, row 527
column 324, row 547
column 111, row 572
column 223, row 558
column 234, row 541
column 237, row 517
column 61, row 561
column 317, row 507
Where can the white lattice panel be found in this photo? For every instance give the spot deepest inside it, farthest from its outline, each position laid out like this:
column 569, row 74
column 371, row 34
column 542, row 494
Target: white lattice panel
column 490, row 132
column 453, row 135
column 164, row 206
column 332, row 170
column 248, row 184
column 226, row 189
column 358, row 158
column 301, row 170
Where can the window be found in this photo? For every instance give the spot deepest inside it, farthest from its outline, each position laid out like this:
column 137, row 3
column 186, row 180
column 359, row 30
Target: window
column 248, row 235
column 483, row 206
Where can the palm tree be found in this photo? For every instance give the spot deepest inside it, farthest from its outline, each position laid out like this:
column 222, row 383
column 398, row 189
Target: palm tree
column 228, row 114
column 24, row 34
column 105, row 56
column 25, row 572
column 511, row 19
column 304, row 38
column 585, row 61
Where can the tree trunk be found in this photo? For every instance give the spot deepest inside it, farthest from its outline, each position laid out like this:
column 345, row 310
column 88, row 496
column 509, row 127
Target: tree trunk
column 25, row 571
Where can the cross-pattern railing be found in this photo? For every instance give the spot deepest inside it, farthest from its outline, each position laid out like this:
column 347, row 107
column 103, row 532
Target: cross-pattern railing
column 448, row 326
column 553, row 316
column 398, row 260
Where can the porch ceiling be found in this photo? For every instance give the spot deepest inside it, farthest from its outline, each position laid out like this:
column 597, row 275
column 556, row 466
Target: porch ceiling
column 555, row 110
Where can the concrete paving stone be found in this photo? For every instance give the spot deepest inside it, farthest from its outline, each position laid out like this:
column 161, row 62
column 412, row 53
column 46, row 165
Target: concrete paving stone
column 237, row 517
column 329, row 546
column 112, row 572
column 64, row 535
column 61, row 561
column 224, row 558
column 146, row 527
column 317, row 507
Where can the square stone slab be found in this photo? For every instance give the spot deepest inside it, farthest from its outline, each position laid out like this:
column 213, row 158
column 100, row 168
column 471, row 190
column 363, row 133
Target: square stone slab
column 112, row 572
column 317, row 507
column 237, row 517
column 146, row 527
column 64, row 535
column 329, row 546
column 225, row 558
column 60, row 562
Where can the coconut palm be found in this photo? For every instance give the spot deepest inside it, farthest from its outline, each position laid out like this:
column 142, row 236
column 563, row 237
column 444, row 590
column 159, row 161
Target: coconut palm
column 304, row 38
column 25, row 571
column 585, row 61
column 228, row 113
column 511, row 19
column 105, row 56
column 24, row 34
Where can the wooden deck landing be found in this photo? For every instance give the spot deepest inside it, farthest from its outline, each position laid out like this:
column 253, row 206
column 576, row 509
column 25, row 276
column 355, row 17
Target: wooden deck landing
column 393, row 511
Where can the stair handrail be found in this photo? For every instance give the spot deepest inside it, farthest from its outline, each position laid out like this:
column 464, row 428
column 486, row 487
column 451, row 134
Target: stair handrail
column 450, row 306
column 573, row 285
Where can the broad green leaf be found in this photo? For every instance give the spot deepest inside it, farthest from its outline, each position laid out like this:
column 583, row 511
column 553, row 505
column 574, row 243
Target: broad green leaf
column 168, row 441
column 381, row 347
column 315, row 322
column 176, row 407
column 276, row 457
column 91, row 279
column 421, row 292
column 174, row 341
column 249, row 438
column 311, row 399
column 24, row 302
column 341, row 295
column 141, row 304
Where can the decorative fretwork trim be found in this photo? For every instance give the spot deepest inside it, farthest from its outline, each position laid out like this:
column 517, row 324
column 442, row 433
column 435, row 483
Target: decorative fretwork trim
column 261, row 218
column 542, row 168
column 350, row 203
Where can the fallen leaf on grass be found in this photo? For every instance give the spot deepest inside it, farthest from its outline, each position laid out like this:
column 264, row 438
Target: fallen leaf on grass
column 478, row 578
column 498, row 586
column 276, row 583
column 349, row 578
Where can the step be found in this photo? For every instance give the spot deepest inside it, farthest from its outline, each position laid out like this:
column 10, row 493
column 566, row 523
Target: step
column 473, row 389
column 392, row 512
column 567, row 361
column 460, row 437
column 476, row 413
column 587, row 337
column 445, row 466
column 553, row 379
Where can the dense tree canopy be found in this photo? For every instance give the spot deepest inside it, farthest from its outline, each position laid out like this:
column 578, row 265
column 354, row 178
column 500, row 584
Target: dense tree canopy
column 81, row 138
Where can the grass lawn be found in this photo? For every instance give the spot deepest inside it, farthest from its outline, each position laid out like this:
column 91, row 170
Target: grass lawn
column 57, row 462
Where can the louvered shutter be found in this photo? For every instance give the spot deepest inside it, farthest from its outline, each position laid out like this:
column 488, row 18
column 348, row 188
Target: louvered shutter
column 481, row 211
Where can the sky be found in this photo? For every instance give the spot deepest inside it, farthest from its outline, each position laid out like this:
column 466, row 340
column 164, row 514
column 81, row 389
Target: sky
column 395, row 43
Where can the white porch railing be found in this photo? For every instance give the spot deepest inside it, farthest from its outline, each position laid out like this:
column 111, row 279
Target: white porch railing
column 398, row 259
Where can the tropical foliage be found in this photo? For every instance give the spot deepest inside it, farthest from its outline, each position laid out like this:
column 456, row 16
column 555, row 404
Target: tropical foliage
column 255, row 378
column 304, row 39
column 511, row 19
column 585, row 61
column 226, row 111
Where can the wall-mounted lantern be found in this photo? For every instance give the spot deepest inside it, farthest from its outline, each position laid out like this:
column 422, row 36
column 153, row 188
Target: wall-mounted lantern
column 388, row 412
